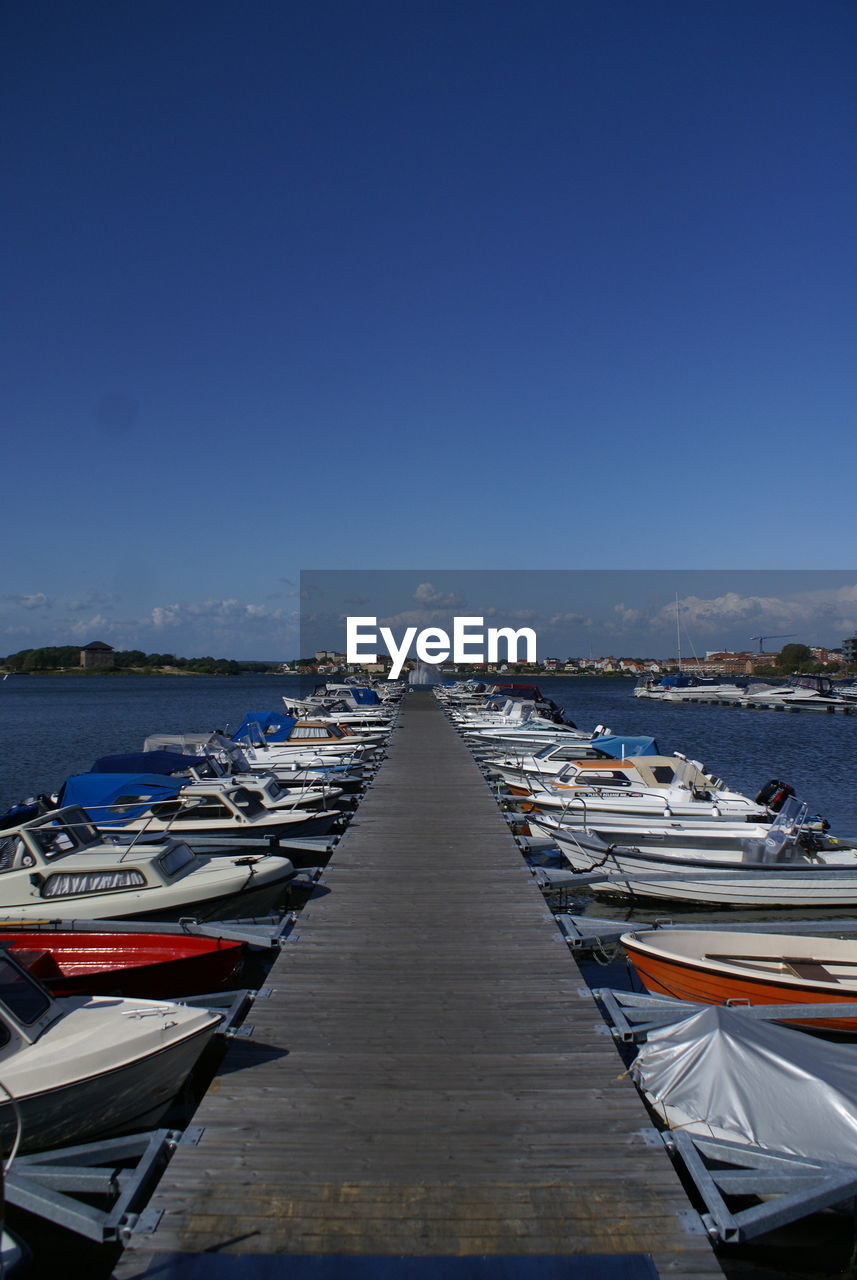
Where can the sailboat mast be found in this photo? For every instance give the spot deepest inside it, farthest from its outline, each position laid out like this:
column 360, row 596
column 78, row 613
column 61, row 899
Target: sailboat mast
column 677, row 633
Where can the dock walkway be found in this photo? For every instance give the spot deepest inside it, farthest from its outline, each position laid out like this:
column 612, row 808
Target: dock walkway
column 430, row 1075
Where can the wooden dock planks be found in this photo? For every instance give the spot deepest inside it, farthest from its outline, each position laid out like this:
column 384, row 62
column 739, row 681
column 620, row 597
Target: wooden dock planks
column 430, row 1075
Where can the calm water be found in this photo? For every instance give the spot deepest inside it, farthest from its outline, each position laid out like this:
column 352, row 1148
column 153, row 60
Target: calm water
column 53, row 726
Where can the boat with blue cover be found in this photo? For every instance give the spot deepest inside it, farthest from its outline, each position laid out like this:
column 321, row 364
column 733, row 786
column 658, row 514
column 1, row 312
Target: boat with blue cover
column 161, row 803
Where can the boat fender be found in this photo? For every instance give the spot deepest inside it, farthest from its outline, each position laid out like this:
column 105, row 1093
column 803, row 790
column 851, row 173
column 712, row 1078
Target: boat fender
column 715, row 811
column 668, row 813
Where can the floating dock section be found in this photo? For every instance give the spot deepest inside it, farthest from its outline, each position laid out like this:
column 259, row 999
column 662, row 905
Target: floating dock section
column 430, row 1076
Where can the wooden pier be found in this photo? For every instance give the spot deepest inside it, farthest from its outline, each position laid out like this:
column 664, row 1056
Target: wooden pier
column 430, row 1076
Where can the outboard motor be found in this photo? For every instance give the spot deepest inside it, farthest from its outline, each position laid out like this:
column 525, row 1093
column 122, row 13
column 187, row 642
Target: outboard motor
column 774, row 795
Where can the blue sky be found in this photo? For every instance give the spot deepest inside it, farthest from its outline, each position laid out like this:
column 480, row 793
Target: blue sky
column 382, row 284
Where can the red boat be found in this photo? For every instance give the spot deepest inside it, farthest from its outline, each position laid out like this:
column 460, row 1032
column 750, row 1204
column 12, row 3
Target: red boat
column 152, row 966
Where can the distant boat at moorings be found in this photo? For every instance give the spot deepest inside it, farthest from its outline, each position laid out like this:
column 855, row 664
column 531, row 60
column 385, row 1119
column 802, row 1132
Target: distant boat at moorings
column 687, row 688
column 713, row 967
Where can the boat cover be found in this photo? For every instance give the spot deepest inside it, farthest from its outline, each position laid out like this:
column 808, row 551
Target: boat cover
column 264, row 726
column 724, row 1075
column 147, row 762
column 620, row 746
column 100, row 793
column 364, row 697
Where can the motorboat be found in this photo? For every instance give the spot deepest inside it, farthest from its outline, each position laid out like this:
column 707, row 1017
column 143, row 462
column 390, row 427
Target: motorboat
column 269, row 739
column 59, row 866
column 84, row 1067
column 780, row 870
column 640, row 789
column 157, row 803
column 517, row 769
column 715, row 966
column 688, row 688
column 226, row 759
column 105, row 961
column 350, row 704
column 802, row 692
column 306, row 793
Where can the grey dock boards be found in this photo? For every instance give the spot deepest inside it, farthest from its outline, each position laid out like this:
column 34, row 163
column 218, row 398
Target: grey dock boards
column 430, row 1076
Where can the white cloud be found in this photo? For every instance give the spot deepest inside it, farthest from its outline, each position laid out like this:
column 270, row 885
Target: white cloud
column 91, row 599
column 426, row 594
column 37, row 600
column 215, row 612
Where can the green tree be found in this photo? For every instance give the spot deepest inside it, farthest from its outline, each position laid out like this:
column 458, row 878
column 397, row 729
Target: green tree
column 794, row 657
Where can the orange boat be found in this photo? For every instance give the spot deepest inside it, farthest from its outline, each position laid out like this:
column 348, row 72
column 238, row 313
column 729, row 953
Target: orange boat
column 714, row 966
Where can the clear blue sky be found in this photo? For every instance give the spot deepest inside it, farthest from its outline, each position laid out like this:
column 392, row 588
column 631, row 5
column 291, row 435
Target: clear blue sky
column 382, row 284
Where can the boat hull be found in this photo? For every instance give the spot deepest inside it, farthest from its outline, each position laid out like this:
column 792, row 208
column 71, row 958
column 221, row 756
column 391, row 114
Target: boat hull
column 150, row 966
column 699, row 983
column 132, row 1096
column 702, row 882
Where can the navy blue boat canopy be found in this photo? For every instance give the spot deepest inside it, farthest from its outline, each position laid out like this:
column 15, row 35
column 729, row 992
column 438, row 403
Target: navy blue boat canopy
column 147, row 762
column 264, row 726
column 116, row 798
column 364, row 697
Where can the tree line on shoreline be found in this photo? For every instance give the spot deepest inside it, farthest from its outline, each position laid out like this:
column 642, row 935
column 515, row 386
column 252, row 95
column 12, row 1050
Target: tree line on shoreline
column 66, row 658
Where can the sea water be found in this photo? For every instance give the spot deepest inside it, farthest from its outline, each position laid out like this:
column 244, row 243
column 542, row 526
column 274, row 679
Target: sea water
column 54, row 726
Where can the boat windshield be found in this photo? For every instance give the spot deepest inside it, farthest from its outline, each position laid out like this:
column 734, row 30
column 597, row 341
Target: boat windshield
column 248, row 802
column 63, row 835
column 23, row 997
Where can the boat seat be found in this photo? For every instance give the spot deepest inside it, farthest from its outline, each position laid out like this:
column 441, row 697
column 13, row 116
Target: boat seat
column 801, row 966
column 806, row 967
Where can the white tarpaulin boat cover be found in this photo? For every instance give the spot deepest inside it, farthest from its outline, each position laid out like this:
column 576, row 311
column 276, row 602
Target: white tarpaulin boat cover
column 724, row 1075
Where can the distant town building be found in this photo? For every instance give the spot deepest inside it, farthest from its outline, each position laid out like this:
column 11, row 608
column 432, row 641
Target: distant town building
column 96, row 654
column 738, row 664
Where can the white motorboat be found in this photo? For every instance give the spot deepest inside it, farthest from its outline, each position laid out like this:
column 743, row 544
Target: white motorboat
column 779, row 870
column 687, row 688
column 82, row 1067
column 801, row 692
column 640, row 789
column 218, row 806
column 269, row 740
column 230, row 761
column 59, row 866
column 518, row 769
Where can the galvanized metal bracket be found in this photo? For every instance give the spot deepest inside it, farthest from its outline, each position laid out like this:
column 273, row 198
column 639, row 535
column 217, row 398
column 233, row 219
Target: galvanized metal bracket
column 792, row 1187
column 52, row 1184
